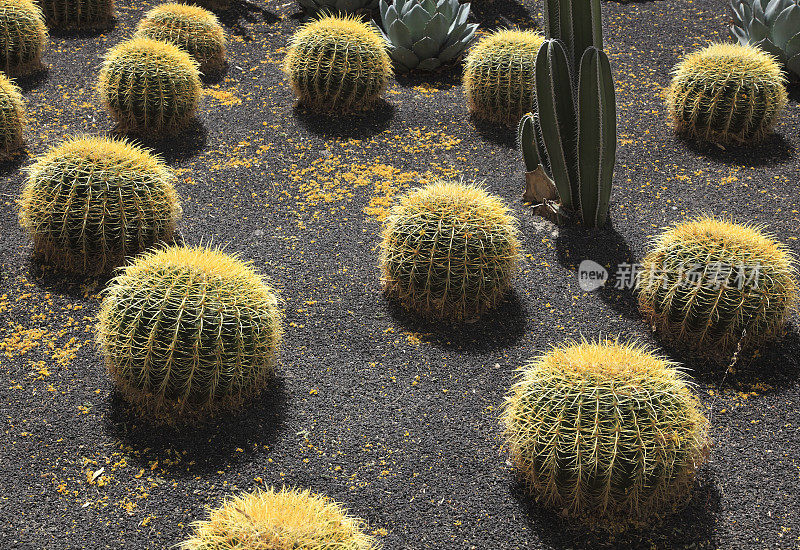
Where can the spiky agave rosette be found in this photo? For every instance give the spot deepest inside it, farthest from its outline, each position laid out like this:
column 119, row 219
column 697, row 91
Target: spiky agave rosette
column 449, row 251
column 90, row 202
column 727, row 94
column 23, row 37
column 712, row 285
column 79, row 15
column 194, row 29
column 338, row 64
column 606, row 432
column 288, row 519
column 150, row 86
column 188, row 331
column 12, row 118
column 773, row 26
column 499, row 75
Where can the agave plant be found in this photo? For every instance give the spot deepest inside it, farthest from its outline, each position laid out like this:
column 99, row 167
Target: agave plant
column 773, row 26
column 426, row 34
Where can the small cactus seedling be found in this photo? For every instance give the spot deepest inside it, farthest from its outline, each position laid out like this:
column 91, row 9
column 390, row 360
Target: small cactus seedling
column 150, row 86
column 727, row 93
column 91, row 202
column 499, row 75
column 338, row 64
column 78, row 15
column 189, row 331
column 606, row 432
column 712, row 285
column 23, row 37
column 288, row 519
column 194, row 29
column 449, row 251
column 12, row 118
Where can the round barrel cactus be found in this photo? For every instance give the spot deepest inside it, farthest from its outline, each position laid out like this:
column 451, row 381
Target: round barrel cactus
column 150, row 86
column 727, row 93
column 449, row 251
column 338, row 64
column 23, row 37
column 78, row 15
column 605, row 432
column 194, row 29
column 90, row 202
column 499, row 75
column 712, row 285
column 280, row 520
column 187, row 331
column 12, row 118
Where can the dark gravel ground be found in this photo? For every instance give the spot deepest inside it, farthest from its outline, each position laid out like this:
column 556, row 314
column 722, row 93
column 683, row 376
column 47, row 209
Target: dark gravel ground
column 394, row 418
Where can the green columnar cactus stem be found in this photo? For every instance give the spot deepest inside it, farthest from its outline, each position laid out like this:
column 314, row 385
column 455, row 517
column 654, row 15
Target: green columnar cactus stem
column 573, row 133
column 150, row 86
column 449, row 251
column 338, row 64
column 288, row 519
column 727, row 94
column 711, row 285
column 12, row 118
column 91, row 202
column 78, row 15
column 194, row 29
column 23, row 37
column 606, row 432
column 499, row 75
column 773, row 26
column 189, row 331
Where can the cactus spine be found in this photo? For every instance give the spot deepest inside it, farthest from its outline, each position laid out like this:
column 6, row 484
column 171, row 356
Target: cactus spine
column 573, row 135
column 91, row 202
column 12, row 118
column 605, row 431
column 280, row 520
column 188, row 331
column 23, row 37
column 711, row 285
column 78, row 14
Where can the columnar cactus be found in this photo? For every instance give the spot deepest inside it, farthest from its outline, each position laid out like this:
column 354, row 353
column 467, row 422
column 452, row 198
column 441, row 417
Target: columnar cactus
column 12, row 118
column 727, row 94
column 449, row 251
column 338, row 6
column 150, row 86
column 188, row 331
column 91, row 202
column 573, row 133
column 773, row 26
column 425, row 34
column 606, row 432
column 194, row 29
column 338, row 64
column 712, row 285
column 78, row 15
column 23, row 37
column 280, row 520
column 499, row 75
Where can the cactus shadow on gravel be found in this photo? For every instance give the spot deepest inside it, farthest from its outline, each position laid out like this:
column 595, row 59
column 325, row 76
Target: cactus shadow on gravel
column 32, row 81
column 501, row 14
column 497, row 133
column 351, row 126
column 243, row 10
column 204, row 447
column 774, row 149
column 184, row 145
column 443, row 79
column 692, row 526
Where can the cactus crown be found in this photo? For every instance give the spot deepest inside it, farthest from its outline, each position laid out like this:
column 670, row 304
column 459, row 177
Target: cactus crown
column 12, row 118
column 338, row 64
column 711, row 284
column 280, row 520
column 149, row 85
column 449, row 250
column 727, row 93
column 577, row 422
column 189, row 330
column 23, row 37
column 499, row 75
column 78, row 14
column 92, row 201
column 194, row 29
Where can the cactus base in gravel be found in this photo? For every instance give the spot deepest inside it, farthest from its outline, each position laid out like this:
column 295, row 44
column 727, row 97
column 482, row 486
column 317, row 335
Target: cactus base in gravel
column 12, row 118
